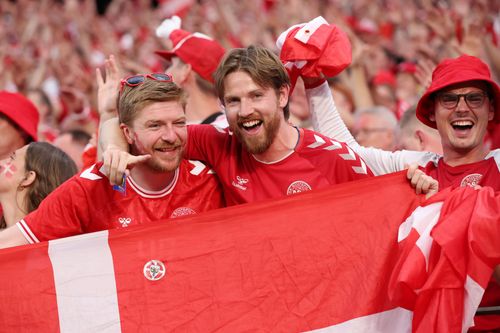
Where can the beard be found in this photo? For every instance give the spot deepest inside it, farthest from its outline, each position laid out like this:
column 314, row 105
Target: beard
column 259, row 144
column 156, row 163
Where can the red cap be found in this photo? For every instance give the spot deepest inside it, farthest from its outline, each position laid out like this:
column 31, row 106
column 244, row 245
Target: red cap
column 384, row 77
column 21, row 112
column 452, row 71
column 200, row 51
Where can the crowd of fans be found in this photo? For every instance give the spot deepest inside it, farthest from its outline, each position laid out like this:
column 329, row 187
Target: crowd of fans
column 50, row 49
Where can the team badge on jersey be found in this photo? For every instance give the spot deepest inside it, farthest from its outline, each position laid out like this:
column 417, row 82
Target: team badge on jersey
column 181, row 211
column 154, row 270
column 297, row 187
column 471, row 180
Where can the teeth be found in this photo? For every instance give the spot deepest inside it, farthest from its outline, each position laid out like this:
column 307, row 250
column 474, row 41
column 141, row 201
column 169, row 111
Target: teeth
column 462, row 123
column 251, row 123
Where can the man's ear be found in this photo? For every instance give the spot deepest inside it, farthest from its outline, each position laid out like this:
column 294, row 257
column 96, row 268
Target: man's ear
column 420, row 136
column 184, row 73
column 29, row 178
column 284, row 95
column 128, row 133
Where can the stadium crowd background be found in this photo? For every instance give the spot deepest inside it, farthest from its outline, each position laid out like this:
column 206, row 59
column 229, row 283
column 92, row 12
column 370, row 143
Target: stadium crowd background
column 49, row 49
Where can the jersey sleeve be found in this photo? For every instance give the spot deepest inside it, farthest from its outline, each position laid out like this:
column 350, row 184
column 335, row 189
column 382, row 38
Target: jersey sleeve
column 205, row 143
column 327, row 121
column 58, row 215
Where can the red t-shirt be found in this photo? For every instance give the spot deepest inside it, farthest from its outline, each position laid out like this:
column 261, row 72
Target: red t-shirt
column 88, row 203
column 317, row 162
column 484, row 173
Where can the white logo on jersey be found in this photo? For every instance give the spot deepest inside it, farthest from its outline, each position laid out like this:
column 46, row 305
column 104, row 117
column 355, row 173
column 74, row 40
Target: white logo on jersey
column 240, row 183
column 471, row 180
column 198, row 167
column 181, row 211
column 297, row 187
column 124, row 221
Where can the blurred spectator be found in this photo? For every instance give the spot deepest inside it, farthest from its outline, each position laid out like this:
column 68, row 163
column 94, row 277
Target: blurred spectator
column 193, row 59
column 375, row 127
column 18, row 122
column 414, row 135
column 73, row 143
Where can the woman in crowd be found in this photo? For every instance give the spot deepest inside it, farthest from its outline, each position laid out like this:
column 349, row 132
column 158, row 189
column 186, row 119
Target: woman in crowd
column 28, row 176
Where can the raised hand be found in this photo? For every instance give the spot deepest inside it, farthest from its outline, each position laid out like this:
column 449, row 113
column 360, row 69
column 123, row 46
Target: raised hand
column 108, row 88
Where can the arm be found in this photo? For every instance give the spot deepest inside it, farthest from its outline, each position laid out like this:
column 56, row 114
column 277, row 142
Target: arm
column 12, row 236
column 327, row 121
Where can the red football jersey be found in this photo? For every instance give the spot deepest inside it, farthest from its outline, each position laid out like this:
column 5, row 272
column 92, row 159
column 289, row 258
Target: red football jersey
column 484, row 173
column 88, row 203
column 317, row 162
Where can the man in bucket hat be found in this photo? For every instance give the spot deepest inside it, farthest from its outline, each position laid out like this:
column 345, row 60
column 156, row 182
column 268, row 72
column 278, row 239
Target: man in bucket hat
column 193, row 61
column 18, row 122
column 460, row 103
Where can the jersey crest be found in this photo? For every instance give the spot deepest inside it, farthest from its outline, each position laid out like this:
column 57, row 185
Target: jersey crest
column 471, row 180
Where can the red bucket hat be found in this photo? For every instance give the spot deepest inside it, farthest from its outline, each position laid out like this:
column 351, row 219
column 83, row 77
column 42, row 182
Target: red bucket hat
column 200, row 51
column 452, row 71
column 21, row 112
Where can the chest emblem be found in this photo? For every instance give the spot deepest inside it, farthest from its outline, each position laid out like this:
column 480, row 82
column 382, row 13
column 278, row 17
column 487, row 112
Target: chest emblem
column 240, row 183
column 471, row 180
column 181, row 211
column 297, row 187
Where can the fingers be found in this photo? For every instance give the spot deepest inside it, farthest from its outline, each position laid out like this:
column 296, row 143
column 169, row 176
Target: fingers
column 133, row 160
column 422, row 183
column 98, row 76
column 117, row 162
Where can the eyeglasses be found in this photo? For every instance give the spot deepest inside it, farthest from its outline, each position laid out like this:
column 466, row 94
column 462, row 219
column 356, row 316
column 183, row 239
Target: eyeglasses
column 136, row 80
column 450, row 100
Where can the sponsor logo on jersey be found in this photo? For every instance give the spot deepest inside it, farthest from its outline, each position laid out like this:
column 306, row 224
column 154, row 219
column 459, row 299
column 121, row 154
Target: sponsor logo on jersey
column 297, row 187
column 124, row 221
column 154, row 270
column 471, row 180
column 240, row 183
column 181, row 211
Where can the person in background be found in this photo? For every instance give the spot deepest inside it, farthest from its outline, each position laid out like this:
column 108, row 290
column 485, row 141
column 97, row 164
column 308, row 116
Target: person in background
column 18, row 122
column 376, row 127
column 73, row 143
column 193, row 59
column 28, row 175
column 414, row 135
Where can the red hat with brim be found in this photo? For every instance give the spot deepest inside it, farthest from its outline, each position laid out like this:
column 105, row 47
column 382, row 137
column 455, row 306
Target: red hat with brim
column 21, row 111
column 198, row 50
column 453, row 71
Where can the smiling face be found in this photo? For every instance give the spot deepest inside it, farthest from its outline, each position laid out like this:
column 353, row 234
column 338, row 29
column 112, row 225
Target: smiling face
column 254, row 113
column 462, row 128
column 159, row 130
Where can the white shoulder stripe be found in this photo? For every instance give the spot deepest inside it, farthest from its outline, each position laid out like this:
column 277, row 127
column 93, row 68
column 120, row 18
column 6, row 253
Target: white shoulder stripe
column 87, row 174
column 319, row 142
column 27, row 233
column 198, row 167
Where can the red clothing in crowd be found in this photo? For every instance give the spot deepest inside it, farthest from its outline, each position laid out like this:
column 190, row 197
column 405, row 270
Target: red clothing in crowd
column 317, row 162
column 88, row 203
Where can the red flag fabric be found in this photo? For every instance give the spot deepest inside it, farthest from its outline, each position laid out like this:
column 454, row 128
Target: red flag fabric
column 318, row 261
column 446, row 260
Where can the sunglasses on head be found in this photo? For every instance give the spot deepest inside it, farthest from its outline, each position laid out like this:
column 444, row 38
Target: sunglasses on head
column 136, row 80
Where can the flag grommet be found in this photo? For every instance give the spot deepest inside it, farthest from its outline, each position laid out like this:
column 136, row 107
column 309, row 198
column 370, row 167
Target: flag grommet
column 154, row 270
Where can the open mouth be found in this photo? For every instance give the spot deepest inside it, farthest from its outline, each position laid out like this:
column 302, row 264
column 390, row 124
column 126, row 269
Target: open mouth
column 251, row 126
column 462, row 125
